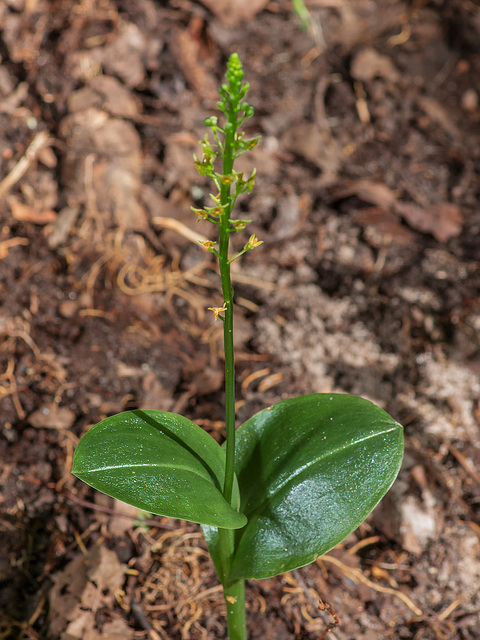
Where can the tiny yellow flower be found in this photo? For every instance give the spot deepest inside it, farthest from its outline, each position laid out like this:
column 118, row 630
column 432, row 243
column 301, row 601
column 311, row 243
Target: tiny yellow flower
column 228, row 179
column 253, row 241
column 217, row 310
column 239, row 225
column 200, row 213
column 209, row 246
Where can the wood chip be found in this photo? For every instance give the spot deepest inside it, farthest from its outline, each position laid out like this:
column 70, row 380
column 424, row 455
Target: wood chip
column 26, row 213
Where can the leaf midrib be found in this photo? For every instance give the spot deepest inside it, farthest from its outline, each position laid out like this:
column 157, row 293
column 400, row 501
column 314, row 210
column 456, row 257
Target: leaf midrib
column 149, row 464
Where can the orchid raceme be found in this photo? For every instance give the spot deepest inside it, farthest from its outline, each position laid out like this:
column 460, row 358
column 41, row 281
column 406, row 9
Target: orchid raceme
column 290, row 483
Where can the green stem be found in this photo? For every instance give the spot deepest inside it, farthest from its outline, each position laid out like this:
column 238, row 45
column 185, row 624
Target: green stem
column 235, row 602
column 227, row 291
column 303, row 13
column 234, row 593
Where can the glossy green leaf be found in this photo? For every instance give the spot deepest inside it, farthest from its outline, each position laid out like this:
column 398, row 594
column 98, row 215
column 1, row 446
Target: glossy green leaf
column 160, row 462
column 310, row 470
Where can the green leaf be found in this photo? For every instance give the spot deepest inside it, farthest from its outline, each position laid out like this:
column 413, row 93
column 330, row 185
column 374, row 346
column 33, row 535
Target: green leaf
column 310, row 470
column 160, row 462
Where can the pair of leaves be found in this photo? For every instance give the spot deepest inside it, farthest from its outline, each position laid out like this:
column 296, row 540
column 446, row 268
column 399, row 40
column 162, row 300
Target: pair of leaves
column 309, row 471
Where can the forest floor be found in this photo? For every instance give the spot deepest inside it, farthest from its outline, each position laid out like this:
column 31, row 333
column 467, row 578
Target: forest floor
column 368, row 282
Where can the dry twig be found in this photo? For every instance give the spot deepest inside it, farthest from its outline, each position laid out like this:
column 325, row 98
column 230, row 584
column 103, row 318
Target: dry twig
column 357, row 576
column 40, row 141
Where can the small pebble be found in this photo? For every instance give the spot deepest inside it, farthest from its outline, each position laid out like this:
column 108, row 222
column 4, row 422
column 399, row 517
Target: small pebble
column 469, row 100
column 68, row 308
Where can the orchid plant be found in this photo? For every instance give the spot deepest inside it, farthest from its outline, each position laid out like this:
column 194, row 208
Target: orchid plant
column 290, row 483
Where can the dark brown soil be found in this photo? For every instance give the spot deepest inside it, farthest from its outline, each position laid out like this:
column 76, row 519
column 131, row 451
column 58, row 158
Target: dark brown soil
column 368, row 282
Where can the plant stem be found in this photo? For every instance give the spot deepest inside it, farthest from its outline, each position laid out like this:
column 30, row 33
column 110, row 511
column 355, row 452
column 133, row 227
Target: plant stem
column 234, row 593
column 302, row 12
column 235, row 601
column 227, row 292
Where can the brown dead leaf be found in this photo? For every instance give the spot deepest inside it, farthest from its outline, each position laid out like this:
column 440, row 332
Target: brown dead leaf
column 52, row 417
column 443, row 220
column 376, row 193
column 440, row 115
column 156, row 396
column 125, row 55
column 115, row 630
column 26, row 213
column 21, row 39
column 288, row 220
column 120, row 523
column 369, row 64
column 387, row 228
column 103, row 166
column 358, row 22
column 187, row 48
column 87, row 583
column 231, row 12
column 106, row 572
column 208, row 380
column 179, row 169
column 318, row 147
column 418, row 522
column 104, row 92
column 80, row 627
column 65, row 595
column 367, row 190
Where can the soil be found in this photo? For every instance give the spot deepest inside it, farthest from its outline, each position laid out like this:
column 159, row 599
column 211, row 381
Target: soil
column 368, row 282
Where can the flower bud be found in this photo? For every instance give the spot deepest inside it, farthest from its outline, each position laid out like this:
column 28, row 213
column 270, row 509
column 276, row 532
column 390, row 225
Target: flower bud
column 212, row 121
column 250, row 183
column 252, row 143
